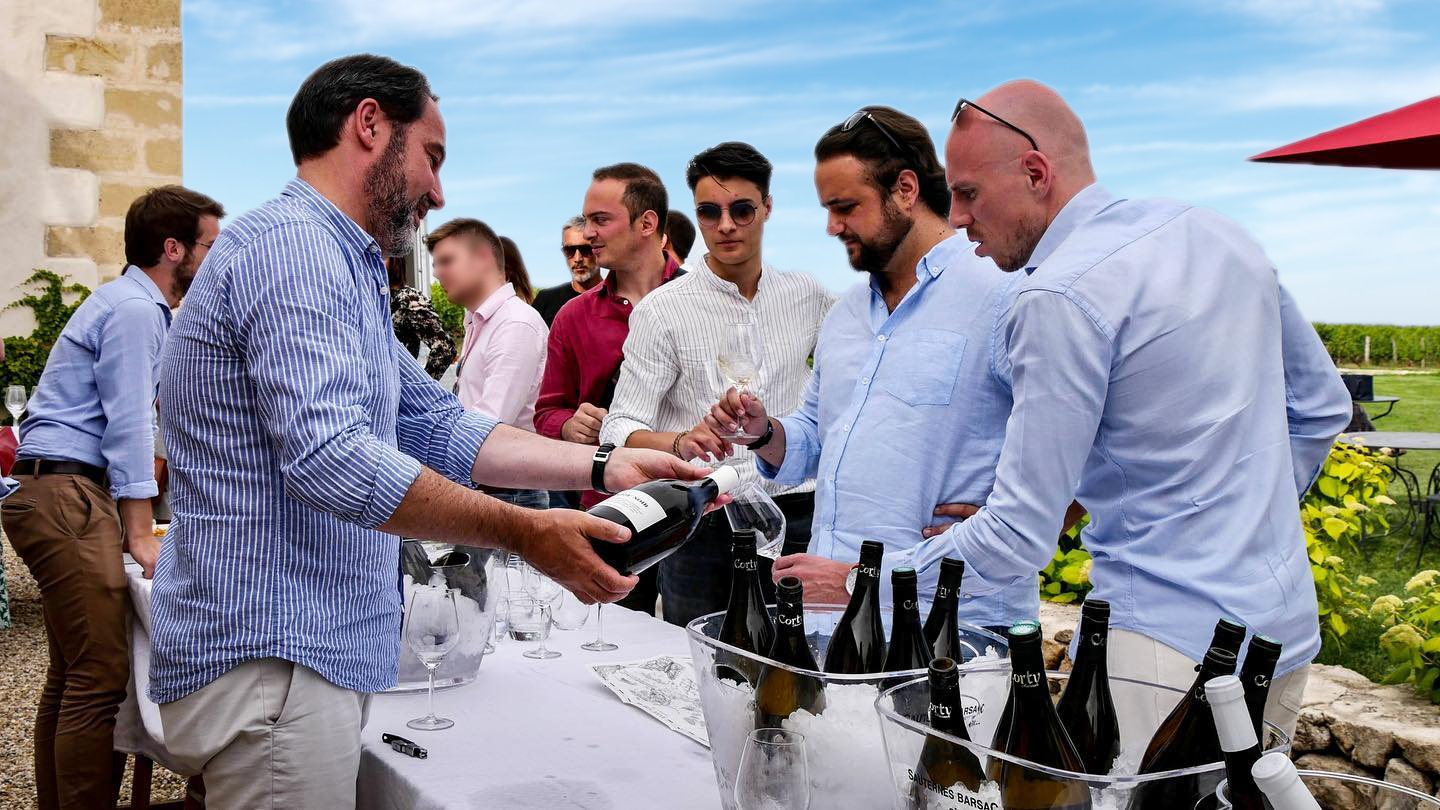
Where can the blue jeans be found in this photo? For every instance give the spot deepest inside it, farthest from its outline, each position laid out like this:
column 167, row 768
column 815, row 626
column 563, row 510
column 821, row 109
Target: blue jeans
column 528, row 498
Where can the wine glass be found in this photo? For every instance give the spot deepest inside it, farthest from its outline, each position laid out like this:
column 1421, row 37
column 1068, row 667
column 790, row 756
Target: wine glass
column 774, row 774
column 739, row 362
column 569, row 613
column 432, row 629
column 529, row 620
column 497, row 593
column 15, row 401
column 751, row 507
column 599, row 644
column 539, row 586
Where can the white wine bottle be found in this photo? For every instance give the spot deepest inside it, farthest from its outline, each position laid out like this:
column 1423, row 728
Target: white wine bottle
column 1256, row 674
column 1185, row 739
column 908, row 648
column 1275, row 775
column 661, row 516
column 858, row 644
column 779, row 692
column 942, row 627
column 747, row 624
column 1237, row 741
column 948, row 776
column 1087, row 708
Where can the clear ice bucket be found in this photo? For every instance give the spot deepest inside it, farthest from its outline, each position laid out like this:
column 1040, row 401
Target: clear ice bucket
column 474, row 599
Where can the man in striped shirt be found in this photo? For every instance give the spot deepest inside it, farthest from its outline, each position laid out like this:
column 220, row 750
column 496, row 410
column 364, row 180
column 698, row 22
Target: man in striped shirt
column 297, row 427
column 671, row 376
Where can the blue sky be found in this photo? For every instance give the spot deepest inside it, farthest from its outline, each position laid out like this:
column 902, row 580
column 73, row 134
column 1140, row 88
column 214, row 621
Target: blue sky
column 1175, row 93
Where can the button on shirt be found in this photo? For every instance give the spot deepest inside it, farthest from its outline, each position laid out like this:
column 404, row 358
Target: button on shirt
column 671, row 376
column 905, row 412
column 503, row 359
column 295, row 422
column 95, row 402
column 1156, row 361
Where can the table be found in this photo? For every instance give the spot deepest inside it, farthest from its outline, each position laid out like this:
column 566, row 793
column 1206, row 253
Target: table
column 527, row 734
column 1388, row 402
column 1415, row 494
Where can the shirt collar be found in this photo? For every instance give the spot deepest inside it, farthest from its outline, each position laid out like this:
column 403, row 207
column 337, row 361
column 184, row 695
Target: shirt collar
column 347, row 228
column 492, row 304
column 703, row 269
column 932, row 265
column 1090, row 201
column 148, row 284
column 607, row 287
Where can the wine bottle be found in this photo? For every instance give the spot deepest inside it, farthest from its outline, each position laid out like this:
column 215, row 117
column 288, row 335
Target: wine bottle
column 1186, row 739
column 1229, row 635
column 858, row 644
column 779, row 692
column 1086, row 708
column 942, row 628
column 948, row 775
column 747, row 622
column 1240, row 746
column 908, row 648
column 1275, row 775
column 1256, row 673
column 1035, row 735
column 661, row 515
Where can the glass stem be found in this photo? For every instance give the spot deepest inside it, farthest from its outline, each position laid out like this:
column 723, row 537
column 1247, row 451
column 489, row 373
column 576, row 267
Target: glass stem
column 599, row 623
column 432, row 691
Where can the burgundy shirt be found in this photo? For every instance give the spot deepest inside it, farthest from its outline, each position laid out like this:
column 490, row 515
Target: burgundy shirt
column 586, row 346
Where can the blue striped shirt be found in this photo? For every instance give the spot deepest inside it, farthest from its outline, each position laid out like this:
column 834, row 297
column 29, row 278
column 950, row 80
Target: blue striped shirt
column 295, row 424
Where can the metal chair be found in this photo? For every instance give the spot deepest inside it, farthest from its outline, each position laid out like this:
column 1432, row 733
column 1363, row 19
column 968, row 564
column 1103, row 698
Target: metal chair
column 1431, row 504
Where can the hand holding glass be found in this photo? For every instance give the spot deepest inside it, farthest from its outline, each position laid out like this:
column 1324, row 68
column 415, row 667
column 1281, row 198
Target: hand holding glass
column 739, row 362
column 432, row 629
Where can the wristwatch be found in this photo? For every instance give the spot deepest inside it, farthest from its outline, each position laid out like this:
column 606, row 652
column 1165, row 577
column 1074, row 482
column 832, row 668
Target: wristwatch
column 597, row 468
column 851, row 578
column 764, row 439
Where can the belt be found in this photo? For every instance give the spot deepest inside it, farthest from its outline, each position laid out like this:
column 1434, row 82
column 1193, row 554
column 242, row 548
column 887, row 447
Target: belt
column 38, row 466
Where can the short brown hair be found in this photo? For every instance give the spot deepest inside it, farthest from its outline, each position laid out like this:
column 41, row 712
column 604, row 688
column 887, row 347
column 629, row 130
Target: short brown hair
column 166, row 212
column 643, row 190
column 867, row 142
column 477, row 232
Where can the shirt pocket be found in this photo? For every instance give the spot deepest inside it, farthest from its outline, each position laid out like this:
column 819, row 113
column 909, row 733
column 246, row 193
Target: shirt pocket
column 920, row 368
column 699, row 383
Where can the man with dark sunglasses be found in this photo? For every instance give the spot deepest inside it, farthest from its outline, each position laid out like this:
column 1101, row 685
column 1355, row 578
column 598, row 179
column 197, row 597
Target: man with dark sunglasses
column 671, row 373
column 584, row 271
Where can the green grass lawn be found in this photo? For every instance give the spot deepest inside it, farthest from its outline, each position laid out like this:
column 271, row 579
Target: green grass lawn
column 1417, row 410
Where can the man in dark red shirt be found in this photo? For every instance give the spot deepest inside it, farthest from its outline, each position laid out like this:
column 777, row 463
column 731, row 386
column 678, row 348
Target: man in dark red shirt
column 625, row 225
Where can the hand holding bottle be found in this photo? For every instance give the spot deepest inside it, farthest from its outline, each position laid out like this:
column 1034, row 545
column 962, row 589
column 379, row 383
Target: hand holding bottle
column 559, row 546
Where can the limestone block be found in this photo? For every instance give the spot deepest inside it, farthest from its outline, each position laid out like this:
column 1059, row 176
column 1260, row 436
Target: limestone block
column 163, row 156
column 68, row 197
column 73, row 17
column 1421, row 744
column 1365, row 744
column 1311, row 733
column 1331, row 793
column 144, row 109
column 1065, row 635
column 115, row 197
column 1400, row 772
column 1052, row 652
column 141, row 13
column 87, row 57
column 103, row 245
column 92, row 149
column 71, row 101
column 163, row 61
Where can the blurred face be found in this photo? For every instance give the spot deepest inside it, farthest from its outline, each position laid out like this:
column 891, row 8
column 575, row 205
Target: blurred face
column 195, row 254
column 466, row 269
column 579, row 256
column 403, row 184
column 617, row 242
column 992, row 193
column 718, row 204
column 865, row 219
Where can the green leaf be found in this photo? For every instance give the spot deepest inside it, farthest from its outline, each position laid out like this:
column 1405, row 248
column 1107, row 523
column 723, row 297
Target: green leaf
column 1431, row 645
column 1338, row 624
column 1336, row 528
column 1400, row 674
column 1064, row 598
column 1328, row 486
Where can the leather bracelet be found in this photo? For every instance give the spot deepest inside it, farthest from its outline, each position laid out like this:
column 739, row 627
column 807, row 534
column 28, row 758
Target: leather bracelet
column 765, row 439
column 597, row 468
column 675, row 445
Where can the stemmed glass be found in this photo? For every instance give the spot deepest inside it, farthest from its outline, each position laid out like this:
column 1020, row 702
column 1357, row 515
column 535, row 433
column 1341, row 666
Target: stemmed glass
column 739, row 362
column 15, row 401
column 751, row 507
column 432, row 629
column 774, row 773
column 599, row 644
column 529, row 620
column 569, row 612
column 540, row 587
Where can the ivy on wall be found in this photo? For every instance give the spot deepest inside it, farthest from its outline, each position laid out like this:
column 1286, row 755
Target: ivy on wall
column 25, row 356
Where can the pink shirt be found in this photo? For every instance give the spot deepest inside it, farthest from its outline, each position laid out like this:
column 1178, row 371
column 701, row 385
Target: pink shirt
column 503, row 359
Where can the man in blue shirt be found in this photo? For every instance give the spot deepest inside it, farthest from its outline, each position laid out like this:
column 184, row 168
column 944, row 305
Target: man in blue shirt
column 303, row 437
column 904, row 415
column 1162, row 377
column 86, row 467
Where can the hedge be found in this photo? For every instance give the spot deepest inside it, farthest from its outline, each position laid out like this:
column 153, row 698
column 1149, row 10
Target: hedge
column 1413, row 345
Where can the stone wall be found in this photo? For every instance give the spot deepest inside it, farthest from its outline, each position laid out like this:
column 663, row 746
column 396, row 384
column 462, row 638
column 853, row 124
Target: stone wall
column 90, row 104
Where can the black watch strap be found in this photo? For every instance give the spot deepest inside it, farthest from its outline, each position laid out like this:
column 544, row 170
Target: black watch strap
column 597, row 468
column 765, row 439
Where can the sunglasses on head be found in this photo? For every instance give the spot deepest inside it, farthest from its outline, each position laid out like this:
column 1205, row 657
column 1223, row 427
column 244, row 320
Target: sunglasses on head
column 571, row 250
column 864, row 115
column 963, row 104
column 742, row 213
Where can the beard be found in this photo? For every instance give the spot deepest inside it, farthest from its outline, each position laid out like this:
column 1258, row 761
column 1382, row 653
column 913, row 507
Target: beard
column 185, row 274
column 875, row 253
column 391, row 211
column 1024, row 237
column 584, row 275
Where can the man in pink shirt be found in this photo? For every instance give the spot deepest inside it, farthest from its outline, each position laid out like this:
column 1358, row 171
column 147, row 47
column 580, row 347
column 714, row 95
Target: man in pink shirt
column 503, row 356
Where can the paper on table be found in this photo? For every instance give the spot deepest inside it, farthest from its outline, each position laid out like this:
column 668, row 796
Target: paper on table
column 663, row 687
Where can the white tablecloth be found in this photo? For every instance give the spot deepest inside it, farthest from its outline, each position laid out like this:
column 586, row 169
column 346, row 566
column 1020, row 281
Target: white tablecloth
column 527, row 734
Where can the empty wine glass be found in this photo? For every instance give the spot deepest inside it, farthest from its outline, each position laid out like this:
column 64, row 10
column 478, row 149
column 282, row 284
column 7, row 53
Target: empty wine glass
column 569, row 612
column 15, row 401
column 529, row 620
column 541, row 587
column 751, row 507
column 599, row 644
column 432, row 629
column 496, row 593
column 739, row 362
column 774, row 774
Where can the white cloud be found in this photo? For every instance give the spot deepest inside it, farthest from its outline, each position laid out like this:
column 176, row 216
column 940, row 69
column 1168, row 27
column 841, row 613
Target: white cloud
column 1352, row 86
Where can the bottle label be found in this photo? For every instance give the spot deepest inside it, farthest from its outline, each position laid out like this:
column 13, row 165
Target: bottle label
column 869, row 571
column 1097, row 639
column 1262, row 680
column 909, row 604
column 941, row 710
column 745, row 565
column 1027, row 680
column 640, row 509
column 790, row 621
column 942, row 592
column 934, row 796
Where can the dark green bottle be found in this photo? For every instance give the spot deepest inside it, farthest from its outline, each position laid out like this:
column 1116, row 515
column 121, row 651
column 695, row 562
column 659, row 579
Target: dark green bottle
column 858, row 645
column 1256, row 673
column 908, row 648
column 942, row 626
column 778, row 691
column 1034, row 734
column 747, row 622
column 947, row 775
column 1229, row 636
column 1186, row 738
column 1086, row 708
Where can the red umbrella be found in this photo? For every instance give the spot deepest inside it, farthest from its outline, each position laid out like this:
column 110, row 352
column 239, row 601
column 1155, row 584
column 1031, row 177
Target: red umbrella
column 1407, row 138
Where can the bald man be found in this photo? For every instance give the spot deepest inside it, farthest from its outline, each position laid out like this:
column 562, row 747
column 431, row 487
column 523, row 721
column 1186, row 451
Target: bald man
column 1163, row 378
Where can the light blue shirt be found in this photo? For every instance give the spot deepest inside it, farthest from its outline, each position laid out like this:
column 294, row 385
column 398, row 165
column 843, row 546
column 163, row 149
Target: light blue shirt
column 1164, row 379
column 95, row 402
column 295, row 424
column 903, row 413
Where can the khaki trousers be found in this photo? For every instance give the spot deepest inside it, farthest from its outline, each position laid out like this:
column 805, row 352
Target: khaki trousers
column 67, row 530
column 270, row 734
column 1140, row 710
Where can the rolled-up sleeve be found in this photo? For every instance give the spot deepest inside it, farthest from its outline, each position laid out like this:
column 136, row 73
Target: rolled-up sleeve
column 126, row 348
column 647, row 375
column 1060, row 369
column 303, row 352
column 433, row 427
column 802, row 439
column 1317, row 403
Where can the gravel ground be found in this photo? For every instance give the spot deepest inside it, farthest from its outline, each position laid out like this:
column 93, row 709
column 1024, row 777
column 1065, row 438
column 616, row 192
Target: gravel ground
column 23, row 671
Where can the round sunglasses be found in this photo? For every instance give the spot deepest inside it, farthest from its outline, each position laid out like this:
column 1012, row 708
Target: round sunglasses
column 742, row 213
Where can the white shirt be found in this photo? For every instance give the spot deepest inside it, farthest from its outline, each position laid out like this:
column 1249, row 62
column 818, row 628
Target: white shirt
column 670, row 377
